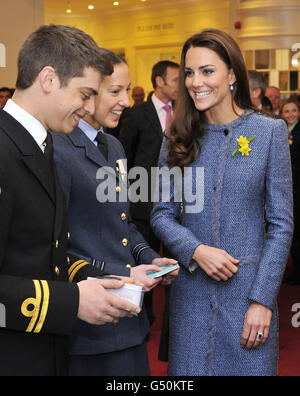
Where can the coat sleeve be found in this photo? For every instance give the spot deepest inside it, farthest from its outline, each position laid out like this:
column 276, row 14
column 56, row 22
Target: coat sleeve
column 279, row 218
column 165, row 221
column 31, row 305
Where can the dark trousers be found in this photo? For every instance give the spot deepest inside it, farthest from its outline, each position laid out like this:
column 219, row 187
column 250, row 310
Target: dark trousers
column 129, row 362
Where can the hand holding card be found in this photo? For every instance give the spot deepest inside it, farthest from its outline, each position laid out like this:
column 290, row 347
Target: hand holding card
column 165, row 269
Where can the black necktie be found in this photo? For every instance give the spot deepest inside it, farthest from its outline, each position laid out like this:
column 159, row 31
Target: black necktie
column 102, row 144
column 48, row 152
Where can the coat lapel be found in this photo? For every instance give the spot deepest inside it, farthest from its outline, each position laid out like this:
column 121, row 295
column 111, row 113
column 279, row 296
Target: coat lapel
column 31, row 154
column 42, row 171
column 152, row 116
column 80, row 140
column 60, row 205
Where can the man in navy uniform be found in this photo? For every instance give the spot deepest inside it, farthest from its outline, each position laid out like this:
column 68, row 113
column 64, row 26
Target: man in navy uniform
column 59, row 72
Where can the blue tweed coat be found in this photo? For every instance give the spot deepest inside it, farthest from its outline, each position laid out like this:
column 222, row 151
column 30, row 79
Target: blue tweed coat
column 241, row 196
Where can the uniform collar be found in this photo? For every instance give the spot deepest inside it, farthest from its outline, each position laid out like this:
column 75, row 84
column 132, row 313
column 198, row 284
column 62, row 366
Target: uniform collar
column 31, row 124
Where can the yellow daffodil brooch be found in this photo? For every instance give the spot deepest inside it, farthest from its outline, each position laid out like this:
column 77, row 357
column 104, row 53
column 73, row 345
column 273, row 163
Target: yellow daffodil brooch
column 243, row 146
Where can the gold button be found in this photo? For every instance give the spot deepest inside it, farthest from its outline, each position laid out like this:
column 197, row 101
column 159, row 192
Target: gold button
column 128, row 266
column 118, row 189
column 0, row 190
column 57, row 271
column 56, row 244
column 123, row 216
column 125, row 242
column 68, row 236
column 68, row 260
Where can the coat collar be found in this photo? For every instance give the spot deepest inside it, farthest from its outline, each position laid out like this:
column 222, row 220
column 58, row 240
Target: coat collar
column 31, row 154
column 80, row 140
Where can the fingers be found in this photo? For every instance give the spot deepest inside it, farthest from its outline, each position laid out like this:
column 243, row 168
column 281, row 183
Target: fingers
column 253, row 337
column 99, row 306
column 256, row 326
column 164, row 261
column 110, row 283
column 223, row 269
column 216, row 263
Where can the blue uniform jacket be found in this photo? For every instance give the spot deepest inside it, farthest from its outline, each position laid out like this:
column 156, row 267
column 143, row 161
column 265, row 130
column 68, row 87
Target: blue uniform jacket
column 102, row 232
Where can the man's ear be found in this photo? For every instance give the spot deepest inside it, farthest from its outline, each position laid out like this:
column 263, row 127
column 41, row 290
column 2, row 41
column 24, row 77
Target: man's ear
column 160, row 82
column 47, row 78
column 256, row 93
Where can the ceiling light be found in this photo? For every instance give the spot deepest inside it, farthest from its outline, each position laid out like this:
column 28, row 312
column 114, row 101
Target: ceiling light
column 116, row 3
column 68, row 10
column 91, row 7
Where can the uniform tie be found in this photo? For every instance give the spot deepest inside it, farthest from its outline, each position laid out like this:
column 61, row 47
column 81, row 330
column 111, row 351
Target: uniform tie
column 48, row 152
column 102, row 144
column 168, row 111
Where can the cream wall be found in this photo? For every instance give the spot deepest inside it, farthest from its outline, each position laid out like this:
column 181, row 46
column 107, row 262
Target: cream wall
column 18, row 19
column 269, row 24
column 145, row 38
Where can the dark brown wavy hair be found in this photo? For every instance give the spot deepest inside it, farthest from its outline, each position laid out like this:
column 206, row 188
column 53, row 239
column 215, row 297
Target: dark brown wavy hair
column 188, row 126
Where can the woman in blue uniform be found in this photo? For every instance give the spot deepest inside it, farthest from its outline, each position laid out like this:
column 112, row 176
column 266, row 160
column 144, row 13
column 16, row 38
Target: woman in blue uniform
column 223, row 308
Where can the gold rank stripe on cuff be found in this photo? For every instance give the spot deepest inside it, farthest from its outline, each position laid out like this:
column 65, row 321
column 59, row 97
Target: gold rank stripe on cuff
column 40, row 307
column 75, row 268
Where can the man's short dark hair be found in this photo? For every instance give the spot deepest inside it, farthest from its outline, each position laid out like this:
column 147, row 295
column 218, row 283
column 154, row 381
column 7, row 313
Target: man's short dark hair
column 5, row 89
column 160, row 69
column 256, row 80
column 67, row 49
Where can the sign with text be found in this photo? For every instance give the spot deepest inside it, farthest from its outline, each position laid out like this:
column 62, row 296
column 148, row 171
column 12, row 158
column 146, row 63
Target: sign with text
column 154, row 28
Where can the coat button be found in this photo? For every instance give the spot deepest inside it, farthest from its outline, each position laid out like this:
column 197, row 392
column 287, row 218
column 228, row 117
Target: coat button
column 68, row 236
column 57, row 244
column 125, row 242
column 57, row 271
column 118, row 189
column 123, row 216
column 226, row 132
column 128, row 266
column 0, row 190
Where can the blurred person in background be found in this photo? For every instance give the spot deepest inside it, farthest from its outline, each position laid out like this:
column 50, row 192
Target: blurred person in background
column 5, row 94
column 138, row 95
column 290, row 112
column 273, row 93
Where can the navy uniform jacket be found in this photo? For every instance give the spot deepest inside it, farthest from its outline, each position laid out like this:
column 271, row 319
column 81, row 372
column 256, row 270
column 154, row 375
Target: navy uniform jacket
column 102, row 233
column 38, row 307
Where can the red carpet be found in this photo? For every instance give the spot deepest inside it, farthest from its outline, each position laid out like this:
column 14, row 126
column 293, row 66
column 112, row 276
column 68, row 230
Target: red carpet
column 289, row 336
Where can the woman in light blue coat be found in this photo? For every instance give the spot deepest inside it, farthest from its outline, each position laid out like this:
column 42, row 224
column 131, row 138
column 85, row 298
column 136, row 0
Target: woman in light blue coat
column 233, row 241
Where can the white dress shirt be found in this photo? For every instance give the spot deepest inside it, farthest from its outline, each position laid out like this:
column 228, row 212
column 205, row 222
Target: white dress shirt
column 159, row 107
column 31, row 124
column 90, row 131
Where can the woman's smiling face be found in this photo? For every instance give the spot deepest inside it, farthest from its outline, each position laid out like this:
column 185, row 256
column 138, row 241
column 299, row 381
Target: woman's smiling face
column 113, row 97
column 290, row 113
column 208, row 80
